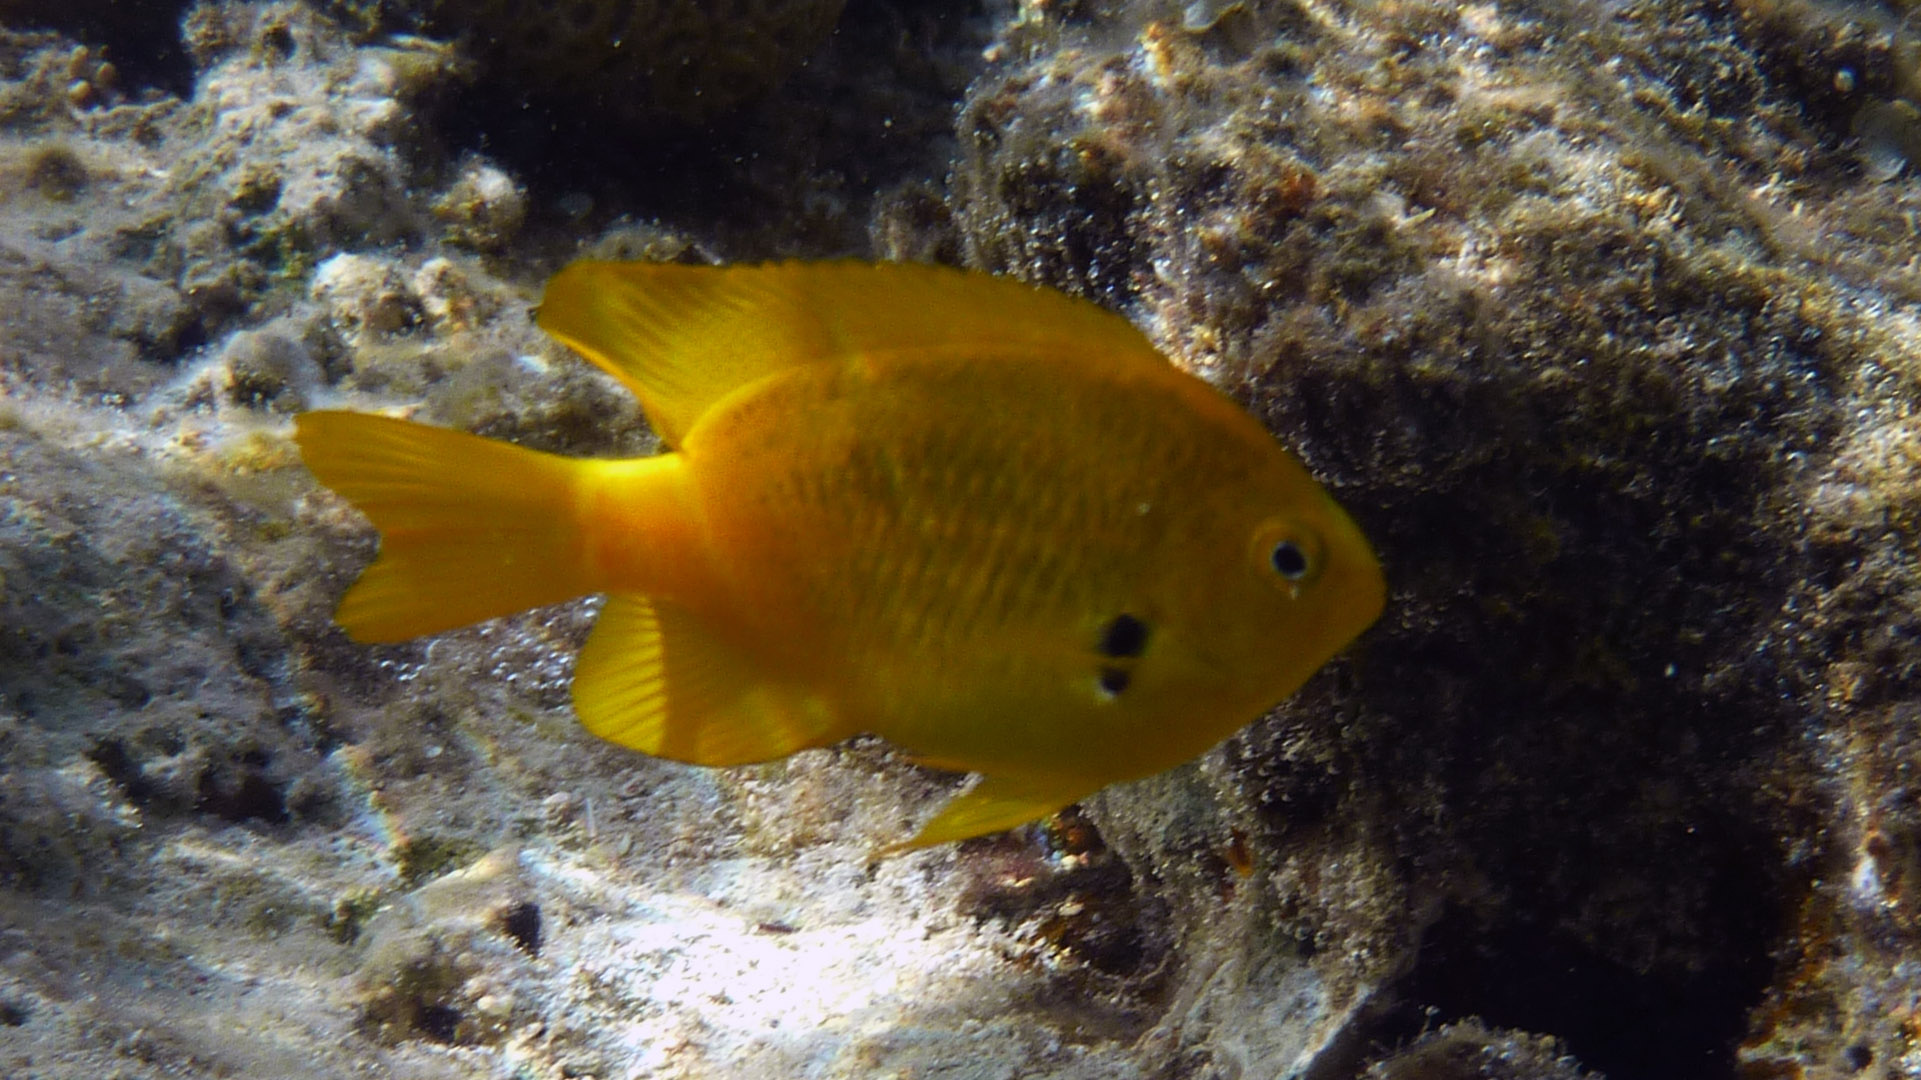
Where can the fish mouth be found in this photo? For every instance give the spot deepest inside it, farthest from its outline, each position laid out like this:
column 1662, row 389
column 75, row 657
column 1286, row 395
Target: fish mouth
column 1355, row 582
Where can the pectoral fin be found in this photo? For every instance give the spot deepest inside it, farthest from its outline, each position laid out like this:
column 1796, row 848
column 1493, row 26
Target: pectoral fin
column 994, row 804
column 654, row 678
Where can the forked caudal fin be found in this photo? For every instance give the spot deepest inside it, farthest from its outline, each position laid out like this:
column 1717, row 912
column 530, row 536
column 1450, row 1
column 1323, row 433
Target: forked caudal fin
column 470, row 528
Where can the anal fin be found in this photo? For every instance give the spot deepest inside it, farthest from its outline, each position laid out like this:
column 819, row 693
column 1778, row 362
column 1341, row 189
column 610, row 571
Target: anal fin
column 655, row 678
column 994, row 804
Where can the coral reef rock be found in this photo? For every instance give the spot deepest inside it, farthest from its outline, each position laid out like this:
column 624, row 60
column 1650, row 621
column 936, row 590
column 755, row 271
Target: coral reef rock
column 675, row 57
column 1603, row 320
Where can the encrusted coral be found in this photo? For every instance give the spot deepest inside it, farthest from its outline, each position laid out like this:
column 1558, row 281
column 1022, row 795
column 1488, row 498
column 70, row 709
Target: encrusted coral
column 677, row 57
column 1581, row 316
column 1469, row 1051
column 1602, row 319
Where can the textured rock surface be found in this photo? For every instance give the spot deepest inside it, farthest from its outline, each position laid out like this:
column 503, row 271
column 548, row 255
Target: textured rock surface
column 623, row 60
column 1601, row 318
column 1600, row 322
column 1469, row 1051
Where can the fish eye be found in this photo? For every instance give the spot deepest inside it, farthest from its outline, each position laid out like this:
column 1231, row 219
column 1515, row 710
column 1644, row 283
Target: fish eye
column 1288, row 552
column 1289, row 560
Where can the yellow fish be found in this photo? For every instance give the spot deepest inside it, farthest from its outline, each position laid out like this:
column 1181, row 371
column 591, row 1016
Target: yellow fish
column 986, row 521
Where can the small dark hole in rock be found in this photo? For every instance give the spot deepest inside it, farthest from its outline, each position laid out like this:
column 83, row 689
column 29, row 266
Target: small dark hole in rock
column 522, row 924
column 1675, row 1024
column 255, row 799
column 1857, row 1057
column 120, row 767
column 280, row 40
column 14, row 1013
column 128, row 692
column 440, row 1023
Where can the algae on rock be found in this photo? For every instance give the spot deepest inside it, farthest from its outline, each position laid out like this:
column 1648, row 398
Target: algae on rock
column 1571, row 308
column 1600, row 317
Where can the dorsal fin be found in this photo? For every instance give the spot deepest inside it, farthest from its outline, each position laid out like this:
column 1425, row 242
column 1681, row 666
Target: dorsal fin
column 681, row 337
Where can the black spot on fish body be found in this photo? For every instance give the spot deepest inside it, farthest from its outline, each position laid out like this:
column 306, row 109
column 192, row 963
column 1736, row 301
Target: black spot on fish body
column 1114, row 680
column 1124, row 636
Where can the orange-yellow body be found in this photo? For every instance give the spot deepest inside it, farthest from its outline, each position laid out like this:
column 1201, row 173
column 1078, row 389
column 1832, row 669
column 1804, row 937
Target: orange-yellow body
column 987, row 522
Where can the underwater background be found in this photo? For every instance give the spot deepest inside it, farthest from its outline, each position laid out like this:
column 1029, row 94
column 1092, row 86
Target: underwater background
column 1603, row 319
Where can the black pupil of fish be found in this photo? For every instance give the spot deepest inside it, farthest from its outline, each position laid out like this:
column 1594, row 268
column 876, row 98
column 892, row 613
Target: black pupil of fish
column 1289, row 560
column 1124, row 636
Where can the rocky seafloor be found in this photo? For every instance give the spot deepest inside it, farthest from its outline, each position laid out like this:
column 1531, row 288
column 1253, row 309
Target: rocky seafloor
column 1604, row 319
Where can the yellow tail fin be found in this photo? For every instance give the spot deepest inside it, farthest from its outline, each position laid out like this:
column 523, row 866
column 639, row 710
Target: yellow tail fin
column 470, row 528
